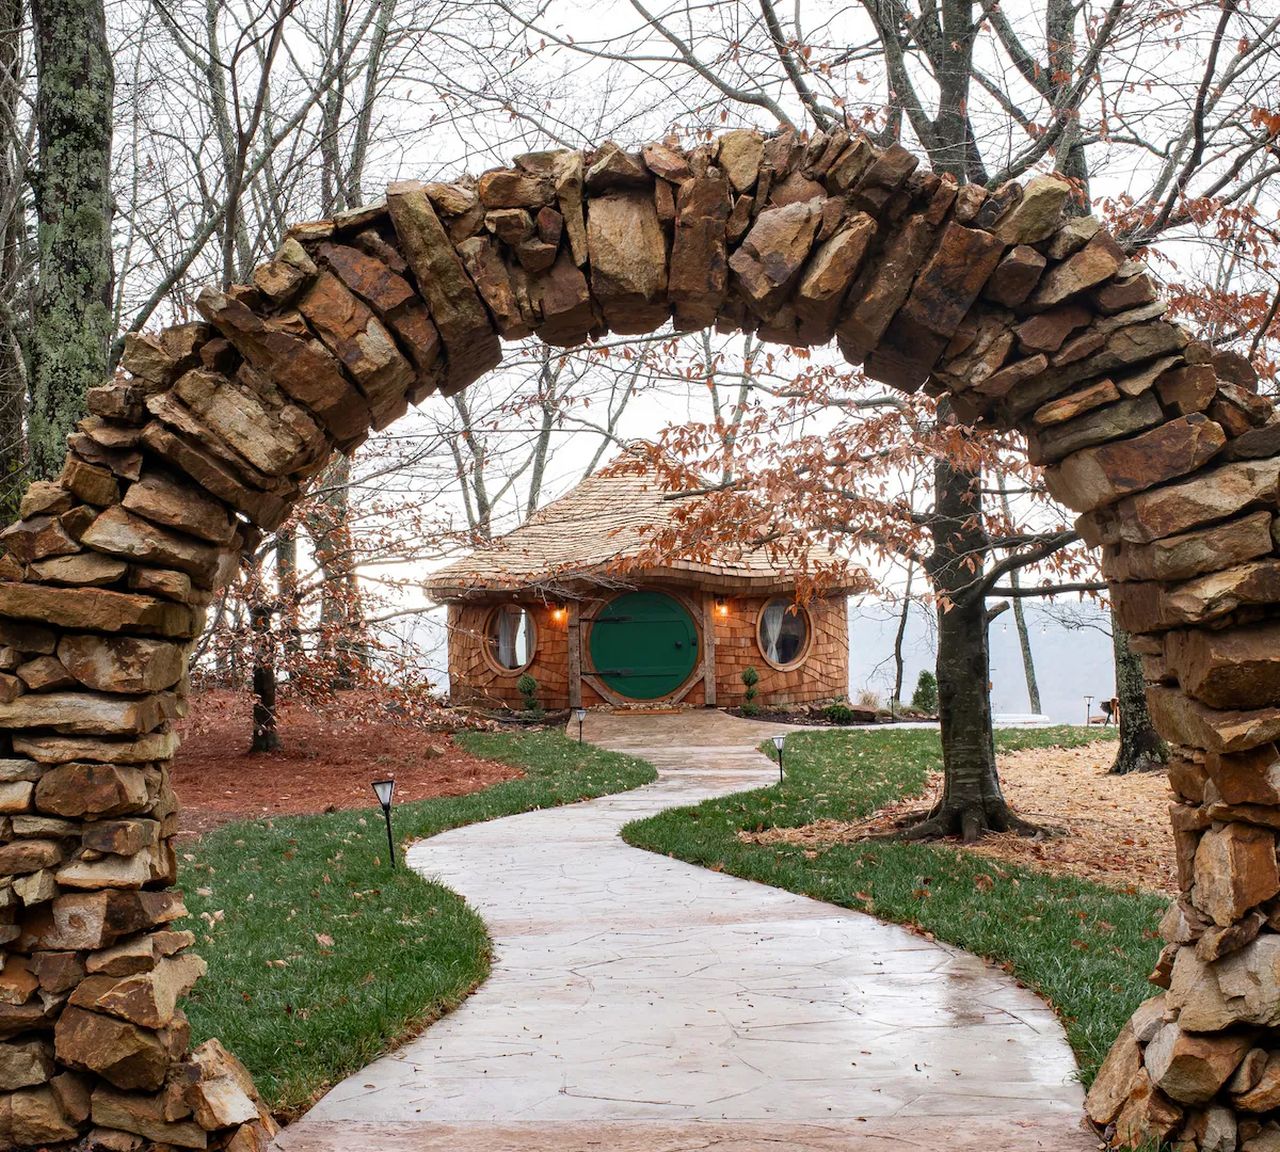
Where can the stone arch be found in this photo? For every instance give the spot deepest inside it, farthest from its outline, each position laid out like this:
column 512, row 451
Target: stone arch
column 207, row 436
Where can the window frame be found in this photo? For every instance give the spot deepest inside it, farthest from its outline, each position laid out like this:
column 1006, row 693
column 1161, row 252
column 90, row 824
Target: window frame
column 805, row 649
column 486, row 647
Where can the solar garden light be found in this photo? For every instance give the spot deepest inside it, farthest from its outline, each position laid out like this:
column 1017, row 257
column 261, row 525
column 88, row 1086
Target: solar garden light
column 778, row 742
column 384, row 790
column 582, row 716
column 1088, row 709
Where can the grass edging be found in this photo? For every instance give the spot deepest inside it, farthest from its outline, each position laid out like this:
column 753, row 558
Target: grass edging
column 321, row 958
column 1085, row 948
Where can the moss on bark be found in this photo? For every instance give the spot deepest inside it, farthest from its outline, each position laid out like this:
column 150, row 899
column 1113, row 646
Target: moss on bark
column 71, row 323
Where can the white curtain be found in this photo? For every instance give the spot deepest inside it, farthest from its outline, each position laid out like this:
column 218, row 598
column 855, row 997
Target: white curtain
column 771, row 628
column 509, row 620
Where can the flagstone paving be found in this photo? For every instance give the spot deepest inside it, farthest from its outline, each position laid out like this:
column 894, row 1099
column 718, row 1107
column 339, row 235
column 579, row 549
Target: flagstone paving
column 641, row 1003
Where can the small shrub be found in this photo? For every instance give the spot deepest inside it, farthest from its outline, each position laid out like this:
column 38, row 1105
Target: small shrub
column 750, row 678
column 527, row 686
column 839, row 712
column 925, row 697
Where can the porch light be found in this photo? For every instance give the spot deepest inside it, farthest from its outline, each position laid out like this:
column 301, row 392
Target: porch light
column 384, row 790
column 778, row 742
column 722, row 606
column 558, row 613
column 582, row 717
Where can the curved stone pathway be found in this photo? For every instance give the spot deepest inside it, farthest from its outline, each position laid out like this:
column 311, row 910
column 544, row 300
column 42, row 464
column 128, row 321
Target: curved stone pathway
column 640, row 1003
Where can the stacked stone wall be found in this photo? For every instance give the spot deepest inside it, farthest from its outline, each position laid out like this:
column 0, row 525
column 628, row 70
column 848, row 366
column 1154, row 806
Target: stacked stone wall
column 213, row 429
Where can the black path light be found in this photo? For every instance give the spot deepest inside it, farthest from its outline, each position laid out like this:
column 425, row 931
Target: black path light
column 384, row 790
column 778, row 742
column 582, row 716
column 1088, row 709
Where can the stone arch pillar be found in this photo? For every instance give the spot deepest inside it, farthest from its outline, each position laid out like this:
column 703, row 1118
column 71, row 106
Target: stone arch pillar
column 212, row 429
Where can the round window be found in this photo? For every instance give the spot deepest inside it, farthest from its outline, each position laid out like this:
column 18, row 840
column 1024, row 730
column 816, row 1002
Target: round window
column 510, row 638
column 782, row 632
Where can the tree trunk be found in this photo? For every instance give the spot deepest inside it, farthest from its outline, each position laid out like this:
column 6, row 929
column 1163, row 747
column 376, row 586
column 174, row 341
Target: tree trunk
column 287, row 579
column 972, row 803
column 265, row 736
column 343, row 633
column 1019, row 617
column 1024, row 642
column 71, row 323
column 14, row 271
column 896, row 699
column 1141, row 748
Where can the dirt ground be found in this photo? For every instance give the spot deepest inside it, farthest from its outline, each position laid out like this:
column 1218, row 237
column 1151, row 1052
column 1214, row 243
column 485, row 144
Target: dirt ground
column 328, row 757
column 1115, row 828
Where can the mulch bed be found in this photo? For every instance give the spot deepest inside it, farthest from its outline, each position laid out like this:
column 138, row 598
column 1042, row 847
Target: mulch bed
column 864, row 718
column 329, row 754
column 1115, row 829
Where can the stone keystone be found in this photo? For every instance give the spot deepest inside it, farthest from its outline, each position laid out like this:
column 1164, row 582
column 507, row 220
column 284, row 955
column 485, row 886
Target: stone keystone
column 628, row 260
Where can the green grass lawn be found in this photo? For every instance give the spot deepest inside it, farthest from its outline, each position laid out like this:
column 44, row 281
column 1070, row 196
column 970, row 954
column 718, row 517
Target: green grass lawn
column 320, row 957
column 1086, row 948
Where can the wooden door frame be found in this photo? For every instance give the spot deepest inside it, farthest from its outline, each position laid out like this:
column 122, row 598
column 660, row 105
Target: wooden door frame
column 695, row 677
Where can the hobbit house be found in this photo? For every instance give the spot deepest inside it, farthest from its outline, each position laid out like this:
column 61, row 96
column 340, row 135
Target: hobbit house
column 562, row 600
column 206, row 438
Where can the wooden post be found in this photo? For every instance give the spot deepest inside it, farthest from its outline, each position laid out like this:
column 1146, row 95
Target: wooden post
column 709, row 648
column 575, row 656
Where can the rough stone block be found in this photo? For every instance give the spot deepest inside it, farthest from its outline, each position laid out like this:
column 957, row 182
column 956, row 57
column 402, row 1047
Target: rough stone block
column 299, row 366
column 84, row 713
column 827, row 277
column 1099, row 476
column 1234, row 667
column 92, row 921
column 25, row 1063
column 364, row 347
column 47, row 749
column 1190, row 1068
column 166, row 501
column 144, row 1115
column 1015, row 276
column 1242, row 988
column 699, row 275
column 127, row 664
column 1192, row 553
column 470, row 342
column 628, row 261
column 88, row 482
column 148, row 999
column 1095, row 427
column 266, row 509
column 250, row 415
column 99, row 790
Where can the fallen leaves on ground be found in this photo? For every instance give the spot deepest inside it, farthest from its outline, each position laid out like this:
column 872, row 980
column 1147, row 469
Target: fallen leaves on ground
column 329, row 753
column 1114, row 829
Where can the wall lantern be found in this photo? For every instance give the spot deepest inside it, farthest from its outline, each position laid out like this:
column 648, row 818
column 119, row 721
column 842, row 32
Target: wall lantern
column 582, row 716
column 558, row 613
column 722, row 606
column 384, row 790
column 778, row 742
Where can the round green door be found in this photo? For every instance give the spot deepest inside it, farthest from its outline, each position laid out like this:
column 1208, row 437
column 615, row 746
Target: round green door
column 643, row 645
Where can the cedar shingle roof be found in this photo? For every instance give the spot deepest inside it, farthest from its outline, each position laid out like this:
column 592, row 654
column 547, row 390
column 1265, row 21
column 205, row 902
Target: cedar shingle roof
column 581, row 539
